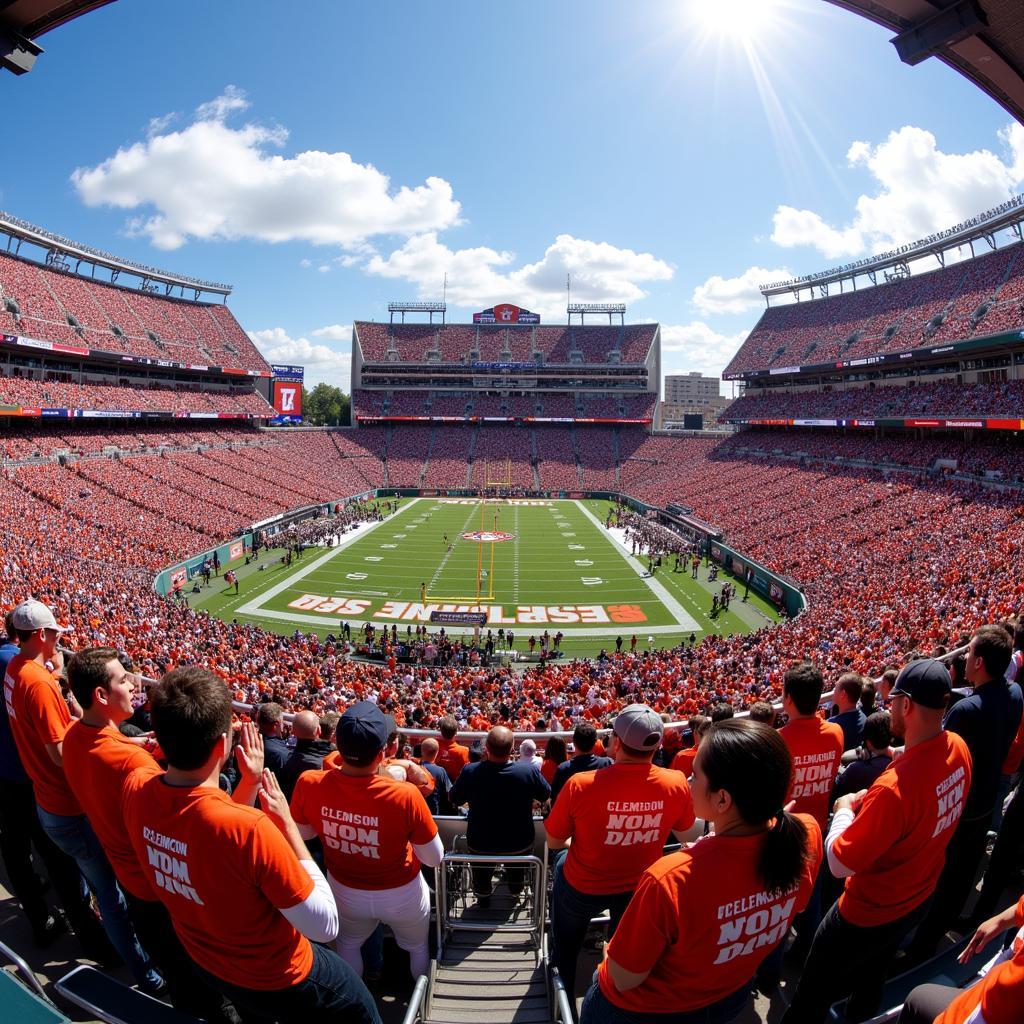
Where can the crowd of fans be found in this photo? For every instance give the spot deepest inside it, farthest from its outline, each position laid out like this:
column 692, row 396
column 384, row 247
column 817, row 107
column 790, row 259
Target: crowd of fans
column 943, row 399
column 972, row 298
column 57, row 394
column 50, row 305
column 466, row 344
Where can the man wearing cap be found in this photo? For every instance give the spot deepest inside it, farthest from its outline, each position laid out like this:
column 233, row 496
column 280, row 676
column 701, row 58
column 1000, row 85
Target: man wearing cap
column 987, row 720
column 889, row 843
column 618, row 819
column 376, row 832
column 39, row 719
column 500, row 794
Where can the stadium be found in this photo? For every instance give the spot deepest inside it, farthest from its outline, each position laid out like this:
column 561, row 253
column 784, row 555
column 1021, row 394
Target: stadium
column 509, row 536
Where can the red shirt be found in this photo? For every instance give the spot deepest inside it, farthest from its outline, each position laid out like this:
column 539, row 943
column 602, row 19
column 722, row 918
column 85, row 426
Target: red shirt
column 683, row 761
column 222, row 870
column 897, row 843
column 39, row 716
column 817, row 748
column 999, row 996
column 368, row 825
column 618, row 818
column 701, row 922
column 97, row 762
column 452, row 757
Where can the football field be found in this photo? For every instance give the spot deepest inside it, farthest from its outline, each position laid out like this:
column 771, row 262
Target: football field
column 530, row 565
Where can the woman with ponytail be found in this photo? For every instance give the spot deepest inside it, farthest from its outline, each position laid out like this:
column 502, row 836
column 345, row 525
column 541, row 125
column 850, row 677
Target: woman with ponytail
column 702, row 919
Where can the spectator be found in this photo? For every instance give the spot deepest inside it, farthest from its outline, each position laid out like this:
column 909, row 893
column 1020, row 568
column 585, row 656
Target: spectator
column 270, row 720
column 722, row 711
column 253, row 899
column 309, row 753
column 816, row 746
column 871, row 761
column 40, row 719
column 584, row 737
column 987, row 721
column 438, row 801
column 683, row 761
column 528, row 753
column 995, row 999
column 889, row 843
column 406, row 769
column 452, row 756
column 618, row 820
column 376, row 832
column 762, row 711
column 849, row 716
column 688, row 943
column 500, row 794
column 555, row 754
column 20, row 829
column 97, row 761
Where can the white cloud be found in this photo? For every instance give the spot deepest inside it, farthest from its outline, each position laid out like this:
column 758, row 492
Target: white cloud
column 918, row 190
column 335, row 332
column 696, row 346
column 719, row 294
column 481, row 276
column 230, row 100
column 213, row 181
column 322, row 362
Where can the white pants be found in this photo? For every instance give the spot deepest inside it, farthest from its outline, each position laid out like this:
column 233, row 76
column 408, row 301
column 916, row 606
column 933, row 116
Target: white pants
column 405, row 910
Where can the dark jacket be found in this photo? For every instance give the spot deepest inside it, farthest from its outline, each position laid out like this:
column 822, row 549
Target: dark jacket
column 859, row 775
column 852, row 723
column 275, row 754
column 580, row 763
column 500, row 798
column 438, row 801
column 308, row 756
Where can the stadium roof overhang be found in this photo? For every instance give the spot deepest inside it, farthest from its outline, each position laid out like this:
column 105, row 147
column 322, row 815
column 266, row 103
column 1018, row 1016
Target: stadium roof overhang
column 982, row 39
column 22, row 21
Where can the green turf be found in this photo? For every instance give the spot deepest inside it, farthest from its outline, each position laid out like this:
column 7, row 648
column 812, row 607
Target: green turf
column 559, row 570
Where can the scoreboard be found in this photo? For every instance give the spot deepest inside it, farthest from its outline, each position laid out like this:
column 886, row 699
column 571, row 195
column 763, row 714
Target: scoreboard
column 287, row 394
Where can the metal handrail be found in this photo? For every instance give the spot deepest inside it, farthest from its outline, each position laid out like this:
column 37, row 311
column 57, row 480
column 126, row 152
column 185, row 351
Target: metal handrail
column 26, row 972
column 562, row 1003
column 417, row 1002
column 536, row 865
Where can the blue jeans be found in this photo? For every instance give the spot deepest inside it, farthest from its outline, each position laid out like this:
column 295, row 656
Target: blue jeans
column 571, row 914
column 332, row 993
column 597, row 1009
column 74, row 835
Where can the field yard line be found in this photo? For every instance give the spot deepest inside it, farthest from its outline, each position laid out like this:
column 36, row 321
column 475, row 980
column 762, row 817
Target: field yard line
column 451, row 548
column 682, row 616
column 256, row 607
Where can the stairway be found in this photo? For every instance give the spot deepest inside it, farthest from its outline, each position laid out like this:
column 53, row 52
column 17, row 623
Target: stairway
column 494, row 980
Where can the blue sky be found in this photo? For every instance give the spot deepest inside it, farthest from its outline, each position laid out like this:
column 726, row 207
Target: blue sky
column 672, row 154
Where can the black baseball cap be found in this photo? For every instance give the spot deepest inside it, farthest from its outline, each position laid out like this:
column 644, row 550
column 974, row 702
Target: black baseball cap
column 363, row 731
column 925, row 682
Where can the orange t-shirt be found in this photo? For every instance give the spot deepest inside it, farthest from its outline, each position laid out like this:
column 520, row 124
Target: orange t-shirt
column 452, row 757
column 619, row 818
column 817, row 748
column 897, row 843
column 96, row 763
column 999, row 996
column 39, row 715
column 1015, row 754
column 332, row 760
column 701, row 922
column 547, row 769
column 367, row 824
column 224, row 872
column 683, row 761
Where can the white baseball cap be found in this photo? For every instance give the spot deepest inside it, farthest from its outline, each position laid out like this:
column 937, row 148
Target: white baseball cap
column 32, row 615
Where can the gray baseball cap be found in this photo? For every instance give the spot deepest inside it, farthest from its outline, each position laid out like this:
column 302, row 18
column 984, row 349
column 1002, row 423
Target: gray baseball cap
column 32, row 615
column 639, row 727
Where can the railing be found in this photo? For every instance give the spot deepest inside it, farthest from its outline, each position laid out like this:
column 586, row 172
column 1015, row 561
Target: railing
column 418, row 1002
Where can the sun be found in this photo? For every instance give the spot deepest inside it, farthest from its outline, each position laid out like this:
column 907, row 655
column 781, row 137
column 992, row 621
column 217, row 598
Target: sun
column 739, row 20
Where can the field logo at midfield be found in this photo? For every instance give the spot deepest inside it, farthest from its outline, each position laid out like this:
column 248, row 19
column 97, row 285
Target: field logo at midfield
column 488, row 536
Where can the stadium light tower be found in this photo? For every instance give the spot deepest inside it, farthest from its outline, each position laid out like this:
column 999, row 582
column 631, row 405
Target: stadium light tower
column 581, row 309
